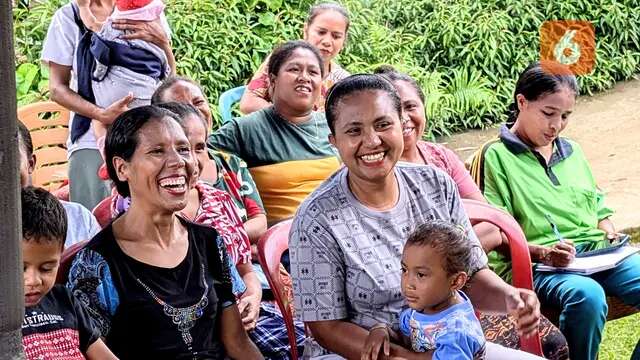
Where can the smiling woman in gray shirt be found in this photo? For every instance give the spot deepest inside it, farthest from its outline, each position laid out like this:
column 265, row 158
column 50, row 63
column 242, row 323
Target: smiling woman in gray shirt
column 347, row 237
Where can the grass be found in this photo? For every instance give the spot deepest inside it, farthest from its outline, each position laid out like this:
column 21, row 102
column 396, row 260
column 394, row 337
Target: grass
column 620, row 336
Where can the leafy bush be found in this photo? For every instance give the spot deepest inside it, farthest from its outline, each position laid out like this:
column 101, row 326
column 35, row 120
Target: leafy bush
column 466, row 54
column 30, row 23
column 32, row 82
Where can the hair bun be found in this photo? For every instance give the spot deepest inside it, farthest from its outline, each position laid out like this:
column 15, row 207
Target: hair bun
column 384, row 69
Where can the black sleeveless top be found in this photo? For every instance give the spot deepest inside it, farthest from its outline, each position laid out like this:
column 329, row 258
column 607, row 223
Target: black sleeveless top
column 145, row 311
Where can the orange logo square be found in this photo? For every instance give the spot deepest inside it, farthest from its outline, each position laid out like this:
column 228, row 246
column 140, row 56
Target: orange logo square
column 569, row 42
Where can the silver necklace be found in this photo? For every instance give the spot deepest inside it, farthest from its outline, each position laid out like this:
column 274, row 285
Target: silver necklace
column 185, row 318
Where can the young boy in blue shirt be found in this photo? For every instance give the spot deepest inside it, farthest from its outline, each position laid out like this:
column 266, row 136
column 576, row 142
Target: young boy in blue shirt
column 440, row 318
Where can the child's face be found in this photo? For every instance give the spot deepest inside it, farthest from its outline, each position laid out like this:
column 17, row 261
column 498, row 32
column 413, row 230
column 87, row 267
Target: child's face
column 425, row 284
column 41, row 260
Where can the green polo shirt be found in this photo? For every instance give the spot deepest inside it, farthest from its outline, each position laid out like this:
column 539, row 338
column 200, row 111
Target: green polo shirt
column 517, row 179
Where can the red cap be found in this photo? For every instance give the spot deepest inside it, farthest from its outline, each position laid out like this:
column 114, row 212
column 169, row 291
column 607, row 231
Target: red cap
column 124, row 5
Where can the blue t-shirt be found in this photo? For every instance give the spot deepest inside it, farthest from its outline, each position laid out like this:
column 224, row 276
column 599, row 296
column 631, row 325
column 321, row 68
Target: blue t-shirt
column 454, row 333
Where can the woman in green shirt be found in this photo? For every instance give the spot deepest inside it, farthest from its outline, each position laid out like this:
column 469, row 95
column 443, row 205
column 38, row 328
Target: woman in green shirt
column 544, row 181
column 286, row 145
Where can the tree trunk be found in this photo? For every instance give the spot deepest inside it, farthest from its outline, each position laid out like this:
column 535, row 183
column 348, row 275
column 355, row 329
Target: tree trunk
column 11, row 278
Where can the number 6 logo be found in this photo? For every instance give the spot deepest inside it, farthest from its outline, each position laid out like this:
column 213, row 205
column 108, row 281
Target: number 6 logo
column 569, row 42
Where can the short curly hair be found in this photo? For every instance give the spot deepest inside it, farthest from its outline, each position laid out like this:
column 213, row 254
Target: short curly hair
column 448, row 240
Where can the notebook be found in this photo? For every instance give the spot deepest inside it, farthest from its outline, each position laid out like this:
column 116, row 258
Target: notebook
column 593, row 264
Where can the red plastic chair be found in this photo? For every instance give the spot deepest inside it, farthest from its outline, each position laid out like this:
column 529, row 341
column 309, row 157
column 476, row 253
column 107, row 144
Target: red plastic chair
column 521, row 261
column 102, row 211
column 65, row 261
column 270, row 248
column 276, row 240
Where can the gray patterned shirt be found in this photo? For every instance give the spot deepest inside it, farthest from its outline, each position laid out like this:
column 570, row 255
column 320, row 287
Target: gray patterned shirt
column 345, row 257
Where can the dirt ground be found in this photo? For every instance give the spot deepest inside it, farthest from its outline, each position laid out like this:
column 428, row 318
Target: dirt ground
column 607, row 126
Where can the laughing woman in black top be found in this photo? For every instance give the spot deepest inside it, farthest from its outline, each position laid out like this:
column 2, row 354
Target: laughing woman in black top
column 153, row 282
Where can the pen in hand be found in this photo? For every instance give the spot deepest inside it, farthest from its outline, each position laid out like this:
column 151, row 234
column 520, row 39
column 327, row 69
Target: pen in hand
column 554, row 228
column 562, row 253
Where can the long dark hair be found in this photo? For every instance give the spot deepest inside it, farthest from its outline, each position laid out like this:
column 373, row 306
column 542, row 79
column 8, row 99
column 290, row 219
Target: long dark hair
column 122, row 138
column 538, row 79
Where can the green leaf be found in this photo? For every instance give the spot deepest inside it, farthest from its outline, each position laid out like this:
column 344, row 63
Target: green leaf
column 267, row 19
column 25, row 77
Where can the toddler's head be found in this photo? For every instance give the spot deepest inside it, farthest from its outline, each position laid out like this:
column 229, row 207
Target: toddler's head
column 145, row 10
column 44, row 229
column 435, row 264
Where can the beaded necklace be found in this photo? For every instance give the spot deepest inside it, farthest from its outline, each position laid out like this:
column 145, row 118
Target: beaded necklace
column 185, row 318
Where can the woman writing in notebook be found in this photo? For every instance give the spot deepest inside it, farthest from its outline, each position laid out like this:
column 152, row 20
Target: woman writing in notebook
column 545, row 182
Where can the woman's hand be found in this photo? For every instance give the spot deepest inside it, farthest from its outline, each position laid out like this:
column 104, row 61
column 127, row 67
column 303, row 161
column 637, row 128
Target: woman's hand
column 523, row 305
column 378, row 338
column 560, row 254
column 149, row 31
column 108, row 115
column 249, row 307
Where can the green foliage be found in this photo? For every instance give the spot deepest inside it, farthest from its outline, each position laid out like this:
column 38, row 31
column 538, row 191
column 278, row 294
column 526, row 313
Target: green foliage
column 30, row 23
column 32, row 83
column 619, row 338
column 466, row 54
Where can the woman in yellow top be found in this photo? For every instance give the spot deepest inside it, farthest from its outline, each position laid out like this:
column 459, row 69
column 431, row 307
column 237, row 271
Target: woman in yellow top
column 325, row 28
column 285, row 145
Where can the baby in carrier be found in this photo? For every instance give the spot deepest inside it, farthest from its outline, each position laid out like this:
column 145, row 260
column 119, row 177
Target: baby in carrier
column 122, row 67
